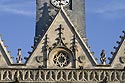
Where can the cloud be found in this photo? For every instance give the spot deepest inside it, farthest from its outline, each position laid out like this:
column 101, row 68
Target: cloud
column 16, row 11
column 111, row 7
column 23, row 8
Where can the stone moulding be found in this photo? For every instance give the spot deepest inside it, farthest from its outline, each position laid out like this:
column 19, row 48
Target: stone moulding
column 61, row 75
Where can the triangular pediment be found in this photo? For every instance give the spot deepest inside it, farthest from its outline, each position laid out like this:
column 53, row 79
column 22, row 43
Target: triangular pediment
column 118, row 59
column 5, row 60
column 61, row 37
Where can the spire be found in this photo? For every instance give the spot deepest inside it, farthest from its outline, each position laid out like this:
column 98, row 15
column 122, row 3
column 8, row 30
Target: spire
column 19, row 56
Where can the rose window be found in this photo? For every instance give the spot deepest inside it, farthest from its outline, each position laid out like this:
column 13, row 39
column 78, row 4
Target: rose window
column 61, row 59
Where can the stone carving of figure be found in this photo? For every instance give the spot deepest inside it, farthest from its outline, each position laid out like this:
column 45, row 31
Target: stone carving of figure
column 103, row 57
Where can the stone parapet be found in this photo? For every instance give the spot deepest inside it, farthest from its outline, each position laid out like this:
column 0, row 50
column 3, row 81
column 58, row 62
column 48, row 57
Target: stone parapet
column 65, row 75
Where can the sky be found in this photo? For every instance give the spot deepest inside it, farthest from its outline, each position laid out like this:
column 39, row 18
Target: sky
column 105, row 20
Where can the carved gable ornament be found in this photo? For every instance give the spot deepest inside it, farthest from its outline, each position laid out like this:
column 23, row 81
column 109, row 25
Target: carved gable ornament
column 62, row 47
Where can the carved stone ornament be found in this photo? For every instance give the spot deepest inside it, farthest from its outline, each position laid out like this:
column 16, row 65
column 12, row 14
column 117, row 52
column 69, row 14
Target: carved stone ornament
column 58, row 3
column 39, row 59
column 81, row 59
column 62, row 59
column 122, row 59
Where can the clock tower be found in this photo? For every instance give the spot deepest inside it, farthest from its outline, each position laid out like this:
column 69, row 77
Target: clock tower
column 46, row 10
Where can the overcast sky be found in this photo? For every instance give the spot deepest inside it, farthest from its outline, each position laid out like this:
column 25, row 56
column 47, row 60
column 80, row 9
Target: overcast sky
column 105, row 20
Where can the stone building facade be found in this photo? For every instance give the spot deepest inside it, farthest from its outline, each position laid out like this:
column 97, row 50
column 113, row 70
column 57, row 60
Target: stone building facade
column 60, row 52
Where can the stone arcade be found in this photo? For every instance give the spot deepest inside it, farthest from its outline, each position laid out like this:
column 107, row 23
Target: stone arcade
column 60, row 52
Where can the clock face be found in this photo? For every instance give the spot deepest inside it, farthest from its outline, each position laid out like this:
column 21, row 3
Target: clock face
column 58, row 3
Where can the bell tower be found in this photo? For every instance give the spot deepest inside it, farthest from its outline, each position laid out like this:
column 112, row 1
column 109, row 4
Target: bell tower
column 46, row 10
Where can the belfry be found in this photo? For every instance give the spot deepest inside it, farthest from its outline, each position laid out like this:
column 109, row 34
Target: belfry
column 60, row 52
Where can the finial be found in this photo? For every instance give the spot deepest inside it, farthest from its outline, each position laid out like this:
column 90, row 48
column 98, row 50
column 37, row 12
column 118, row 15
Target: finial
column 61, row 4
column 123, row 31
column 93, row 53
column 60, row 31
column 9, row 52
column 109, row 58
column 6, row 46
column 121, row 37
column 115, row 47
column 118, row 42
column 3, row 41
column 19, row 56
column 12, row 57
column 112, row 53
column 73, row 43
column 29, row 52
column 96, row 59
column 26, row 58
column 103, row 57
column 32, row 47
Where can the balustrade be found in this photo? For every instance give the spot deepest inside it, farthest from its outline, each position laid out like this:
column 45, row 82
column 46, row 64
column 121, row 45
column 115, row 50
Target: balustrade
column 36, row 75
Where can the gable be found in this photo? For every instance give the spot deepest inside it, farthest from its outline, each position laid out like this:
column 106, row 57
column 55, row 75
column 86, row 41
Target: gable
column 5, row 59
column 118, row 59
column 61, row 36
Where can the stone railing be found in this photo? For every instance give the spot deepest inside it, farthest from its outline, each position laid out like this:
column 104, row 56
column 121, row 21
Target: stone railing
column 37, row 75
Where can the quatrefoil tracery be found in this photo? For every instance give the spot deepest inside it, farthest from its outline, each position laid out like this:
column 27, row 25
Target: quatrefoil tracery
column 61, row 59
